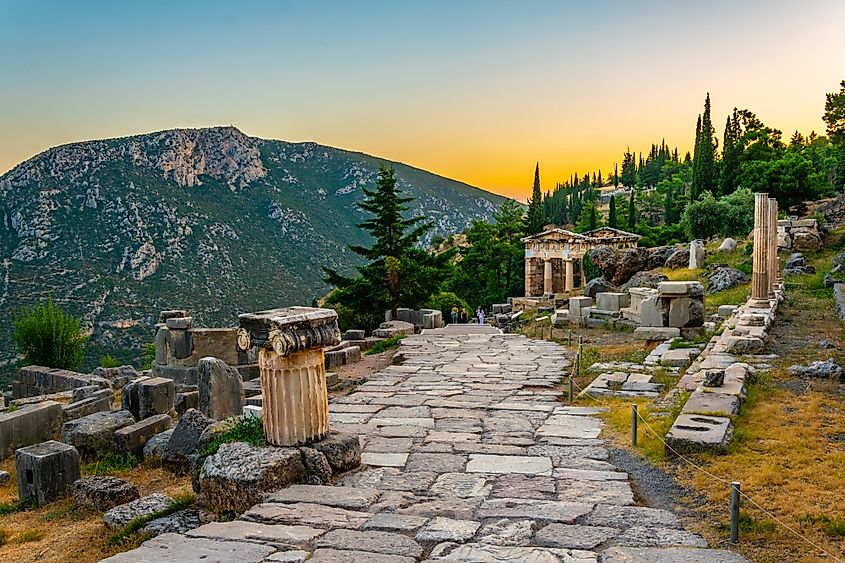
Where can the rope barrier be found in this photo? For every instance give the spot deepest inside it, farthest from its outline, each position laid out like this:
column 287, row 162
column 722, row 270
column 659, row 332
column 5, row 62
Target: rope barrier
column 711, row 475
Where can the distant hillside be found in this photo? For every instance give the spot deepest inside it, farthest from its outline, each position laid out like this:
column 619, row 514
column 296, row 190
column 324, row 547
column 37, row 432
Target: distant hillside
column 209, row 220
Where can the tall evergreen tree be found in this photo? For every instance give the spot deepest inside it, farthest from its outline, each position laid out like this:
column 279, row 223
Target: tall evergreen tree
column 629, row 170
column 398, row 273
column 632, row 213
column 536, row 220
column 615, row 175
column 611, row 214
column 731, row 154
column 669, row 217
column 704, row 159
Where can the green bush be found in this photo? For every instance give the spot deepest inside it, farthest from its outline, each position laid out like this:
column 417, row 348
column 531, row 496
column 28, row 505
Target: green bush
column 591, row 271
column 46, row 336
column 109, row 361
column 444, row 301
column 730, row 216
column 149, row 355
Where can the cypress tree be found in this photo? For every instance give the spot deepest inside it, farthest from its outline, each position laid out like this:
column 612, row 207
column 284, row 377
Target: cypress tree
column 669, row 209
column 731, row 153
column 535, row 206
column 632, row 213
column 615, row 175
column 611, row 214
column 704, row 157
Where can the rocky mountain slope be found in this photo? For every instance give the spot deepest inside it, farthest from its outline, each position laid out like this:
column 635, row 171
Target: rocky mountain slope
column 209, row 220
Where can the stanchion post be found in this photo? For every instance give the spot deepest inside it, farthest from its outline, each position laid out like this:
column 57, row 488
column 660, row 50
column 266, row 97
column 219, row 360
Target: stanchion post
column 735, row 512
column 634, row 425
column 571, row 388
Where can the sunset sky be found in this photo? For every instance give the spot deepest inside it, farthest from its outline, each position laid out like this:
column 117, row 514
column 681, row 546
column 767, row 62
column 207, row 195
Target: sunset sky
column 473, row 90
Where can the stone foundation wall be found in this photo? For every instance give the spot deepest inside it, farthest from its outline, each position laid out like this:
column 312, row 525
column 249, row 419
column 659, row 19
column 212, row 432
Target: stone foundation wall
column 40, row 380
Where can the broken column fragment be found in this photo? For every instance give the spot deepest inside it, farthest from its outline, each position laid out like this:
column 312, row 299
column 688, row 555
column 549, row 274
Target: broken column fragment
column 291, row 363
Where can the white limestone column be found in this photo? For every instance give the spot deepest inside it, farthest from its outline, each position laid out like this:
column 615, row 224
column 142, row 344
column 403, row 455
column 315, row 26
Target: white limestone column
column 547, row 276
column 760, row 263
column 570, row 276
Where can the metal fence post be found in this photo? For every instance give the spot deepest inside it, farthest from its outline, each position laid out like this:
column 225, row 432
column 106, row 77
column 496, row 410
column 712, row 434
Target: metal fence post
column 571, row 388
column 634, row 425
column 735, row 512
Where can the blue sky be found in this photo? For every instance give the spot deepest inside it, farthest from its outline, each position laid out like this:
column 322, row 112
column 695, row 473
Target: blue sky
column 473, row 90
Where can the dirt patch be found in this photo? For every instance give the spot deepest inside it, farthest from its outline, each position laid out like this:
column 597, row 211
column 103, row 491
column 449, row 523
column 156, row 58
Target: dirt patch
column 350, row 374
column 70, row 534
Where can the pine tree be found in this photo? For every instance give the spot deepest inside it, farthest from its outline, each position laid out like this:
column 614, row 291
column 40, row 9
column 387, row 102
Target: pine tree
column 615, row 175
column 536, row 220
column 632, row 213
column 398, row 273
column 611, row 214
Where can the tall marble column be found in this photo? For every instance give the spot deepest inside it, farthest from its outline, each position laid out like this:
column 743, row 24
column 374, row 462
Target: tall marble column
column 570, row 276
column 547, row 276
column 760, row 264
column 291, row 364
column 773, row 245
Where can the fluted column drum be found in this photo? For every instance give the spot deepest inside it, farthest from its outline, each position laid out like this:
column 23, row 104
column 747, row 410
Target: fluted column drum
column 290, row 342
column 296, row 403
column 760, row 262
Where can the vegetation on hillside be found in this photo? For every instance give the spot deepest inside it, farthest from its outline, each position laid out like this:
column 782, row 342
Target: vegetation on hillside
column 706, row 193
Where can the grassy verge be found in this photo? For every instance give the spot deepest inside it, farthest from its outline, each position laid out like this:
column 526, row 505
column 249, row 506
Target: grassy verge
column 244, row 429
column 131, row 533
column 385, row 345
column 109, row 463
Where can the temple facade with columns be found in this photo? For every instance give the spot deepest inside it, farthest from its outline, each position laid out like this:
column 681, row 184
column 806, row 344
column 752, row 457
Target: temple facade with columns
column 553, row 258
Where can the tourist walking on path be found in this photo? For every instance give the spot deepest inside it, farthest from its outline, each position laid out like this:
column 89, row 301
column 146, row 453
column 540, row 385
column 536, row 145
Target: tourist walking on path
column 464, row 316
column 455, row 314
column 480, row 314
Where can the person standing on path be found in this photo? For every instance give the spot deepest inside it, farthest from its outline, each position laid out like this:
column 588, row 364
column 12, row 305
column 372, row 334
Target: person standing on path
column 480, row 314
column 455, row 314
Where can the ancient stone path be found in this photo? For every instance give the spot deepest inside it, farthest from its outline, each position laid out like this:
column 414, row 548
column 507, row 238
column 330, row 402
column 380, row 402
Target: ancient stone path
column 470, row 456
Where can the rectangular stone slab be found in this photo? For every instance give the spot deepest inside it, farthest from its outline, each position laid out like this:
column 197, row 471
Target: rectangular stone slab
column 174, row 548
column 342, row 497
column 239, row 530
column 528, row 465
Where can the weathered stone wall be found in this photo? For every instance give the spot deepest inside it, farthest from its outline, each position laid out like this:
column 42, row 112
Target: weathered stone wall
column 40, row 380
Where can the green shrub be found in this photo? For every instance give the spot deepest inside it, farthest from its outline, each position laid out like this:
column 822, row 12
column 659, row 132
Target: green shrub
column 242, row 429
column 149, row 355
column 591, row 271
column 385, row 345
column 46, row 336
column 731, row 215
column 444, row 301
column 109, row 361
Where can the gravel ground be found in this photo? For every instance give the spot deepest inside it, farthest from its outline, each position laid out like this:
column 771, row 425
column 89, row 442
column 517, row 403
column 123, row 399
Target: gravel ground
column 653, row 486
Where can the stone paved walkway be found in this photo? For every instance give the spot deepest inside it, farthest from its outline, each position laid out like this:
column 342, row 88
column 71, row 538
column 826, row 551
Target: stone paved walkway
column 469, row 456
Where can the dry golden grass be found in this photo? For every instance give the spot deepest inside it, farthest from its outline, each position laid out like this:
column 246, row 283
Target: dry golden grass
column 59, row 533
column 788, row 452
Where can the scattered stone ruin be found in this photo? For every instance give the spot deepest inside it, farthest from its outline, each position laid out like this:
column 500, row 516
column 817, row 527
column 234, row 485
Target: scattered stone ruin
column 421, row 319
column 179, row 346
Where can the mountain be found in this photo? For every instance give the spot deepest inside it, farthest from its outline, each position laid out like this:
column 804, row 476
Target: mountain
column 209, row 220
